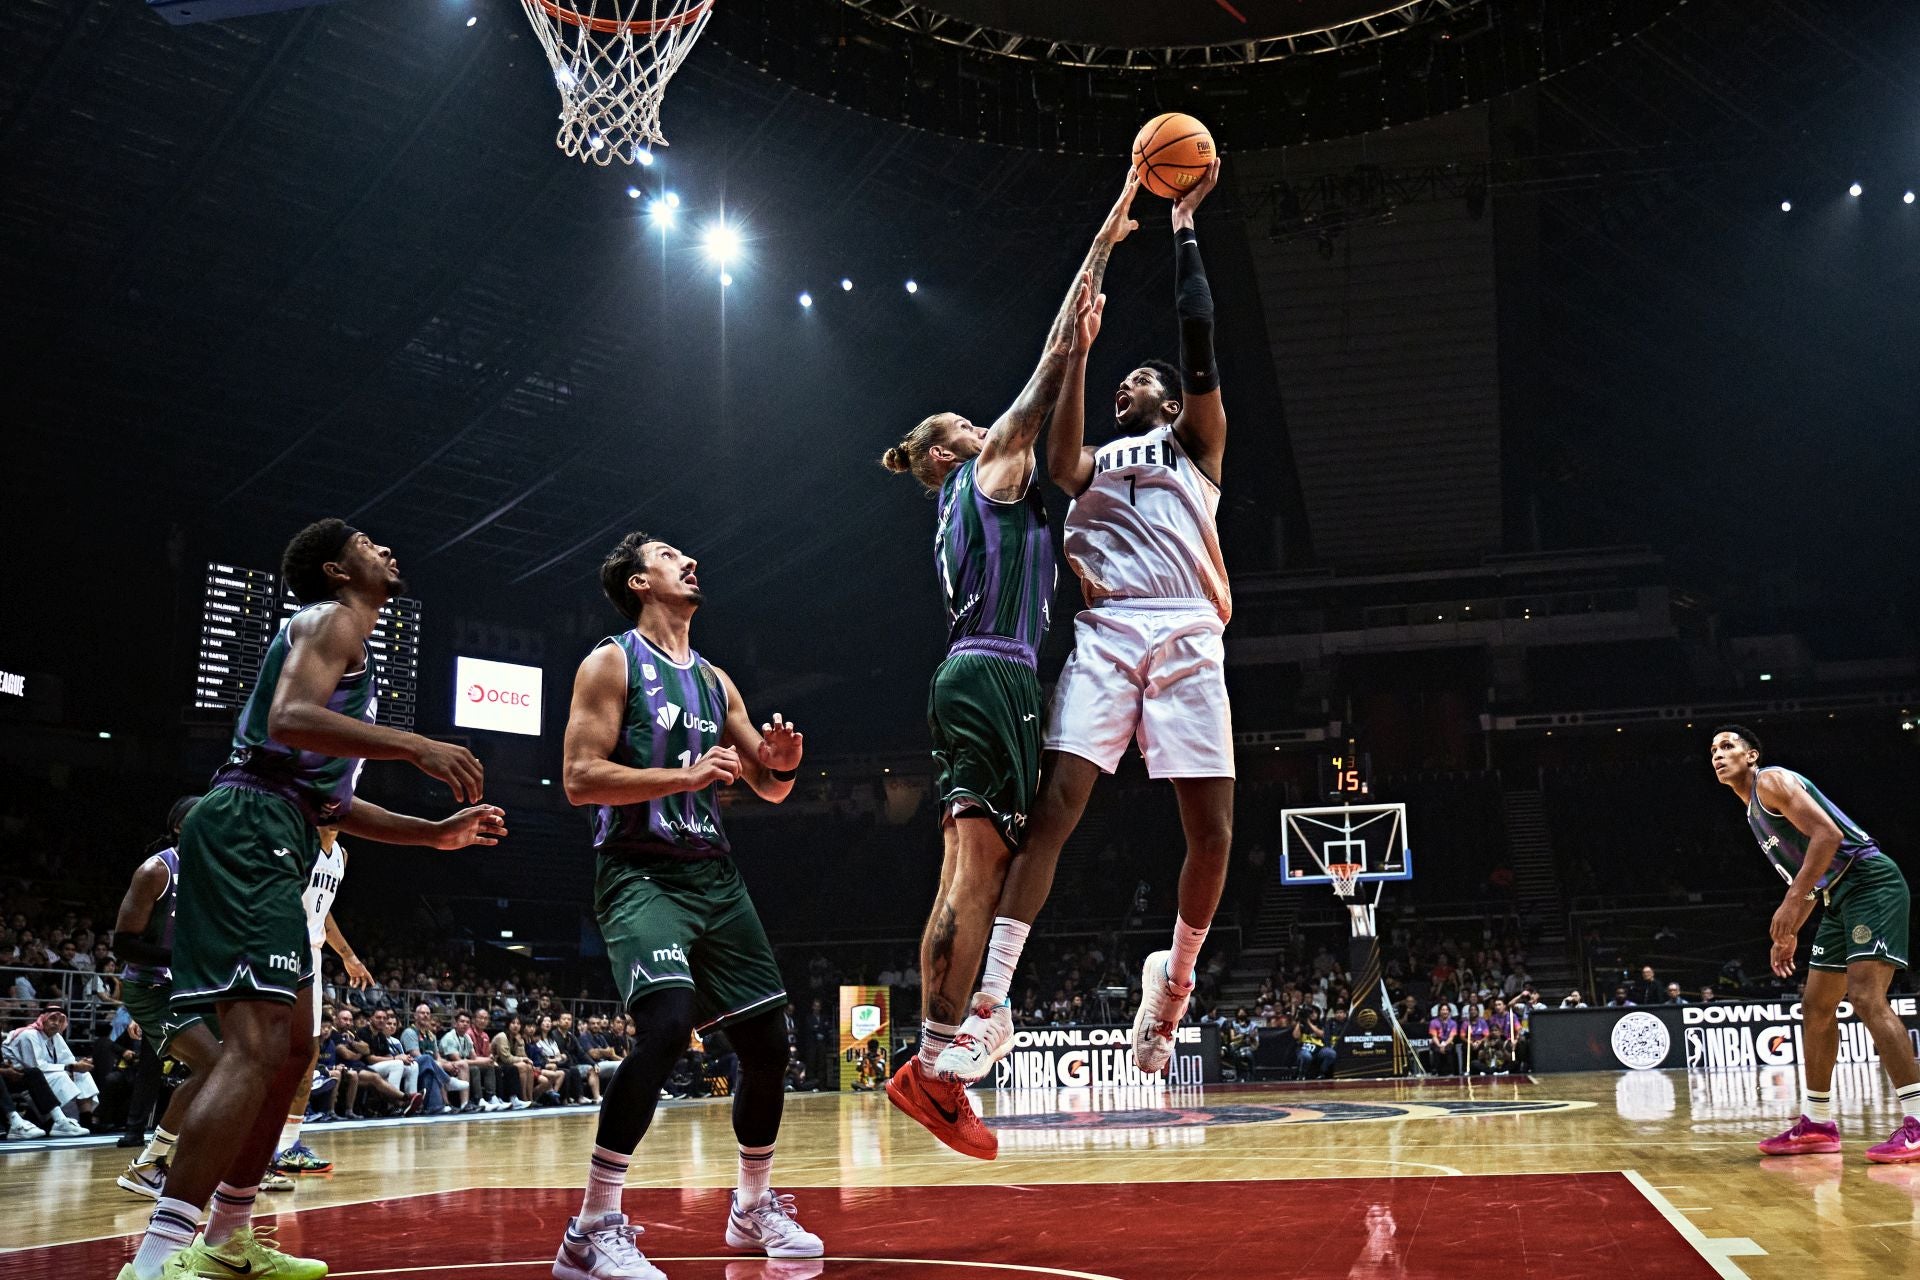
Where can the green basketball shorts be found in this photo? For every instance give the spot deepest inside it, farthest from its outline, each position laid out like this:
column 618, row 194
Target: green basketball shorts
column 1866, row 918
column 984, row 714
column 147, row 1005
column 669, row 923
column 239, row 929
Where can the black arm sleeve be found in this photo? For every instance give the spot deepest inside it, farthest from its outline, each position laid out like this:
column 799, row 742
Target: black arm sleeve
column 1193, row 301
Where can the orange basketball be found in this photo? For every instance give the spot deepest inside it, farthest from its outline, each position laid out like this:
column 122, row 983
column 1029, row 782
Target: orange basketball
column 1171, row 153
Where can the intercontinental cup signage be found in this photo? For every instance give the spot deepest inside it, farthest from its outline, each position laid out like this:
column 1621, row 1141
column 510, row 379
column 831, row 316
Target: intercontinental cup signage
column 1699, row 1037
column 1095, row 1057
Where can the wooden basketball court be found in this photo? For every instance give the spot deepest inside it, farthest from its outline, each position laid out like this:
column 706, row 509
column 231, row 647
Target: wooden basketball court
column 1572, row 1177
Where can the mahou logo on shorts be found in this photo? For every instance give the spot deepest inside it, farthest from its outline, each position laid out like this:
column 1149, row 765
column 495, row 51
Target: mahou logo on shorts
column 501, row 696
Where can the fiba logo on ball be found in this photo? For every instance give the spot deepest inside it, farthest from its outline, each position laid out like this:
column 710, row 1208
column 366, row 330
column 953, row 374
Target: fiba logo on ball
column 1862, row 935
column 1640, row 1041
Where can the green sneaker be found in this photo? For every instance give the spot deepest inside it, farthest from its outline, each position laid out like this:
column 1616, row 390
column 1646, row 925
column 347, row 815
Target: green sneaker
column 181, row 1264
column 249, row 1252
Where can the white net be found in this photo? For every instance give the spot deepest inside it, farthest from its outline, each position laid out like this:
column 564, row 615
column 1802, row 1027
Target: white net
column 1346, row 876
column 611, row 60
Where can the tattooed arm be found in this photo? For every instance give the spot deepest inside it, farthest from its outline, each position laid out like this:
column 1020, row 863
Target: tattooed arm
column 1006, row 460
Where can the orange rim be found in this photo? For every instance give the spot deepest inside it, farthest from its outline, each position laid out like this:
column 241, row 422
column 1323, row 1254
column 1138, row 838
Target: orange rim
column 615, row 26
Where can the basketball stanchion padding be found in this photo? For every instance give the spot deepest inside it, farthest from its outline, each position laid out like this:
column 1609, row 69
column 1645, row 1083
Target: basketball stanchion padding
column 611, row 61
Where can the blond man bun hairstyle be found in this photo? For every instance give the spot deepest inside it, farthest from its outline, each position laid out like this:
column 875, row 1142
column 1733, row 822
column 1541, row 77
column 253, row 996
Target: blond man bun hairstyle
column 915, row 451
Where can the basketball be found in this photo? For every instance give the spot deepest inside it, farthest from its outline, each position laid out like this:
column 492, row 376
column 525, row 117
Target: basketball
column 1171, row 153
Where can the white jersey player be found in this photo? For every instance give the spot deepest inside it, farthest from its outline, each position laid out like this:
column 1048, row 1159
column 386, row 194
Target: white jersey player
column 1148, row 662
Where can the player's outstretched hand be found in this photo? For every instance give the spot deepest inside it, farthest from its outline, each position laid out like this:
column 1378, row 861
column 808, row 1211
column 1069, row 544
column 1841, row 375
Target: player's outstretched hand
column 716, row 764
column 781, row 744
column 1183, row 211
column 359, row 976
column 476, row 824
column 454, row 765
column 1120, row 218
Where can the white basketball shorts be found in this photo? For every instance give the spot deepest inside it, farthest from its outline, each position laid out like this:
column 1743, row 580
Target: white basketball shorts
column 1151, row 670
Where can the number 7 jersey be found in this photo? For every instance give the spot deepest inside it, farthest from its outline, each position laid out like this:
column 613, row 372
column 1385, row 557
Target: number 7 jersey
column 1146, row 526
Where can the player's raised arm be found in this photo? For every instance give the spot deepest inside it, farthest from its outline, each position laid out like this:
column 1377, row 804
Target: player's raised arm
column 588, row 771
column 1202, row 425
column 768, row 755
column 1069, row 464
column 323, row 645
column 1006, row 459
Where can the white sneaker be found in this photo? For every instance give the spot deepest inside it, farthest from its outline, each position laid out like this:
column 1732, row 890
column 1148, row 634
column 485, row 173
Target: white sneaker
column 604, row 1249
column 492, row 1104
column 1162, row 1005
column 21, row 1127
column 981, row 1041
column 65, row 1127
column 769, row 1224
column 144, row 1179
column 518, row 1104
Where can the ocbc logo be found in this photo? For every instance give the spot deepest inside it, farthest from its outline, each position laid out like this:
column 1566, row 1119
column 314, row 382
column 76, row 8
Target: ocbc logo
column 505, row 697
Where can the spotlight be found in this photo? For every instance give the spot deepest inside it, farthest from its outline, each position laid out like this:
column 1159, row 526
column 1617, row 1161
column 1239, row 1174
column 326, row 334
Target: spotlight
column 1786, row 206
column 633, row 193
column 1907, row 198
column 471, row 21
column 806, row 300
column 720, row 242
column 846, row 285
column 725, row 279
column 660, row 213
column 643, row 157
column 1854, row 190
column 673, row 201
column 912, row 287
column 104, row 735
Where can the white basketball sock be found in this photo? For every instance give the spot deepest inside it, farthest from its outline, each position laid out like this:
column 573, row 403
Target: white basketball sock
column 169, row 1230
column 1819, row 1105
column 606, row 1179
column 1003, row 956
column 934, row 1038
column 756, row 1175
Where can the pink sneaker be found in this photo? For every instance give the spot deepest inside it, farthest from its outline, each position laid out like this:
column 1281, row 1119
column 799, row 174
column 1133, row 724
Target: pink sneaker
column 1902, row 1148
column 1806, row 1138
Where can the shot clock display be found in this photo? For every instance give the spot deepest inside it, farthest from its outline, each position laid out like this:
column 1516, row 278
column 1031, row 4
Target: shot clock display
column 1346, row 776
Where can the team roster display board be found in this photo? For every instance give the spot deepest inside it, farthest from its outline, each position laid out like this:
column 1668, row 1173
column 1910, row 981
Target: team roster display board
column 241, row 610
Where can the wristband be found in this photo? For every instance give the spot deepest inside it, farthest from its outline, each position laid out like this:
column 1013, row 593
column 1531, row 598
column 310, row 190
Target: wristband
column 783, row 775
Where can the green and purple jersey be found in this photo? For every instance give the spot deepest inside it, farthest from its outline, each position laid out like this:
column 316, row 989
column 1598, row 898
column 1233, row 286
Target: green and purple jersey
column 1785, row 846
column 675, row 714
column 996, row 567
column 320, row 786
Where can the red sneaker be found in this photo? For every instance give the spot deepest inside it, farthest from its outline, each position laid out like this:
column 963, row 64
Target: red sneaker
column 1902, row 1148
column 1806, row 1138
column 943, row 1109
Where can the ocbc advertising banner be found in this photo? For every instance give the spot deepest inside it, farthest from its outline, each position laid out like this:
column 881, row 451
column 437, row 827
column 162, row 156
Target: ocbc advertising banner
column 1700, row 1037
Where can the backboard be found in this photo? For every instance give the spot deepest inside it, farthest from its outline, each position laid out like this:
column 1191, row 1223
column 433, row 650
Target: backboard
column 1373, row 835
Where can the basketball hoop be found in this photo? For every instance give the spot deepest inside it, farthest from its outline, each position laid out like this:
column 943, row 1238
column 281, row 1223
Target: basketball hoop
column 1346, row 876
column 611, row 60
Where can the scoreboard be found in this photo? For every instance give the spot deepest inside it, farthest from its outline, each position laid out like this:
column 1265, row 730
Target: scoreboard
column 236, row 623
column 243, row 609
